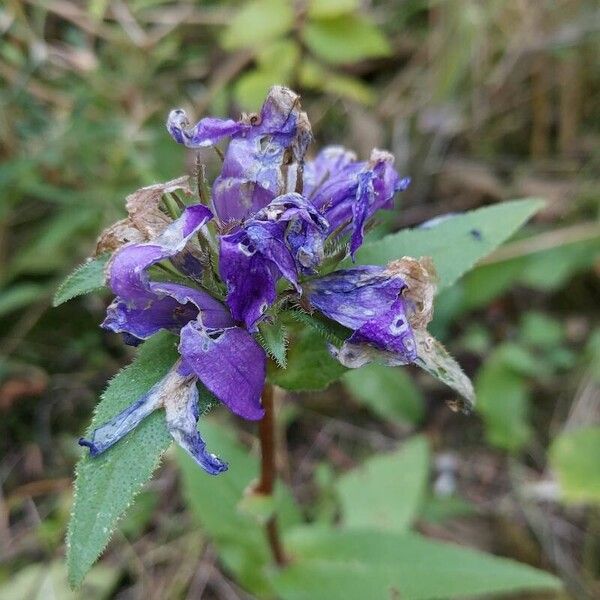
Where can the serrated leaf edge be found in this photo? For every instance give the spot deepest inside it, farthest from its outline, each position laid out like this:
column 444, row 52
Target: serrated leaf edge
column 58, row 299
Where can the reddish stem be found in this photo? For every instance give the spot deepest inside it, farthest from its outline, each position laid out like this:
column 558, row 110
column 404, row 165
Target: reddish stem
column 266, row 430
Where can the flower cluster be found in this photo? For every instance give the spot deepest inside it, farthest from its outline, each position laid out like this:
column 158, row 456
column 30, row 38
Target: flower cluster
column 211, row 272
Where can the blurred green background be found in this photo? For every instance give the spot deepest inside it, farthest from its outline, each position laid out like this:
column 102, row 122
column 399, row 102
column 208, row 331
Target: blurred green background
column 479, row 100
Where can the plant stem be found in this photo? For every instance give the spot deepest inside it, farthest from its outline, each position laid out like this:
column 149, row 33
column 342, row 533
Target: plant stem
column 266, row 429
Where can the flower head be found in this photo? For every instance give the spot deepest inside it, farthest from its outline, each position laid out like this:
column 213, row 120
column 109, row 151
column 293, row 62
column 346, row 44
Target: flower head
column 270, row 223
column 381, row 306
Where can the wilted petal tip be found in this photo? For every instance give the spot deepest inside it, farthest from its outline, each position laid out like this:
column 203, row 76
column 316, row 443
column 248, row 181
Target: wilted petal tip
column 94, row 450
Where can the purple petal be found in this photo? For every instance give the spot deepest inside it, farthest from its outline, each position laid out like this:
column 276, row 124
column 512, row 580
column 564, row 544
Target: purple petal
column 361, row 209
column 354, row 296
column 206, row 132
column 386, row 180
column 305, row 231
column 279, row 112
column 166, row 306
column 389, row 331
column 255, row 167
column 307, row 246
column 182, row 415
column 292, row 207
column 127, row 269
column 213, row 314
column 178, row 394
column 281, row 238
column 348, row 191
column 251, row 176
column 269, row 241
column 236, row 197
column 231, row 365
column 119, row 426
column 142, row 307
column 330, row 182
column 368, row 301
column 327, row 164
column 144, row 319
column 251, row 278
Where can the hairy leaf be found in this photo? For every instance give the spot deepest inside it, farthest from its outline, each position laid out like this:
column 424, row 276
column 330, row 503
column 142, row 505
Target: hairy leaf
column 88, row 277
column 274, row 340
column 388, row 392
column 386, row 491
column 106, row 485
column 310, row 365
column 456, row 243
column 354, row 565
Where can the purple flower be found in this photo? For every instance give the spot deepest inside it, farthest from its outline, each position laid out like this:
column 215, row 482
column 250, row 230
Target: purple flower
column 264, row 156
column 224, row 357
column 349, row 192
column 387, row 310
column 273, row 218
column 178, row 395
column 281, row 240
column 367, row 300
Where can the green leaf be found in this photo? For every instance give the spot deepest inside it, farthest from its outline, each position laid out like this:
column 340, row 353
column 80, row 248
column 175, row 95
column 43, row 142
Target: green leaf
column 258, row 22
column 330, row 8
column 41, row 581
column 345, row 39
column 220, row 507
column 327, row 329
column 106, row 485
column 574, row 458
column 354, row 565
column 437, row 361
column 388, row 392
column 19, row 296
column 88, row 277
column 310, row 365
column 437, row 509
column 273, row 338
column 546, row 269
column 275, row 65
column 540, row 330
column 386, row 491
column 503, row 401
column 279, row 57
column 455, row 244
column 312, row 75
column 251, row 88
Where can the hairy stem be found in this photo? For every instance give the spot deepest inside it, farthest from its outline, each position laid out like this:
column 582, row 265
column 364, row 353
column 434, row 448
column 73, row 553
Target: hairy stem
column 266, row 484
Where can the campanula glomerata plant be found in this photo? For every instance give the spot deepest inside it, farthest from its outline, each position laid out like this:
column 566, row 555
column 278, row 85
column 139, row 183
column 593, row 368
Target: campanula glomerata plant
column 222, row 285
column 273, row 214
